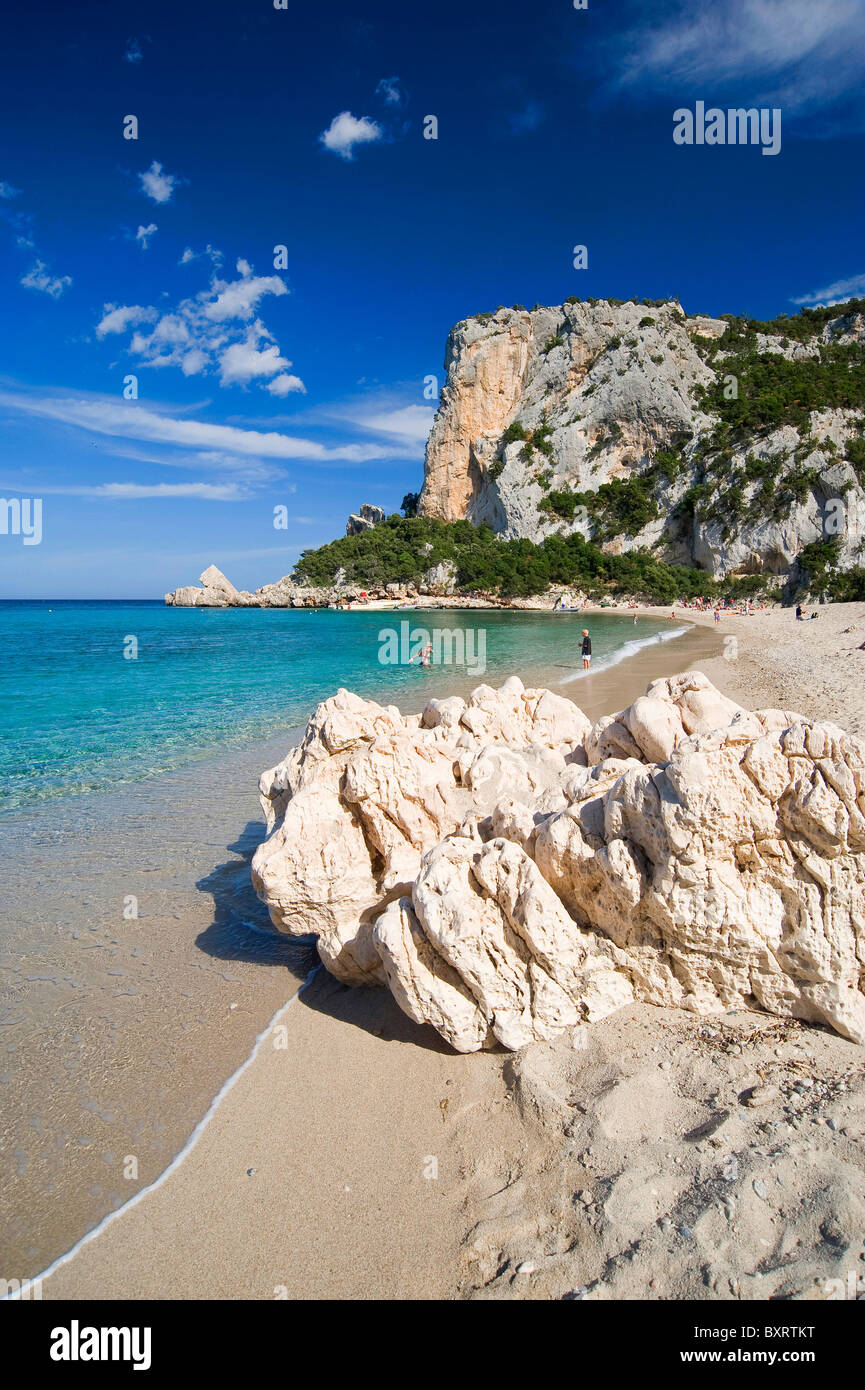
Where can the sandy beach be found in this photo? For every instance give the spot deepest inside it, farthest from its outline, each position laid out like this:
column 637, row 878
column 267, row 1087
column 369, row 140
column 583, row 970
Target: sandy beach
column 357, row 1156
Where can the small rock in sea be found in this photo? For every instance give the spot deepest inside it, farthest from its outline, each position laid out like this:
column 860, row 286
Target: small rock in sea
column 759, row 1187
column 525, row 1267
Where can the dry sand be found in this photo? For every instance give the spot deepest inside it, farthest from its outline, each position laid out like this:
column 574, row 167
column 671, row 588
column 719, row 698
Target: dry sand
column 640, row 1163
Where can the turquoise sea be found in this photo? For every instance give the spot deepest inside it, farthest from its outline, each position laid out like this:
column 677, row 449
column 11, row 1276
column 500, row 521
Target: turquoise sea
column 95, row 694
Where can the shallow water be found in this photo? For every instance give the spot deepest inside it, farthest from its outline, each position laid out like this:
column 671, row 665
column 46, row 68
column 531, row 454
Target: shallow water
column 97, row 694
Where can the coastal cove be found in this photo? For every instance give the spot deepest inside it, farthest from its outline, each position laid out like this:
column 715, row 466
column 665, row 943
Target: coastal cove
column 140, row 964
column 333, row 1112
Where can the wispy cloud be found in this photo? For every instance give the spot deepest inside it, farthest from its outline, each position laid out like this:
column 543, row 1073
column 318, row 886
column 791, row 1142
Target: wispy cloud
column 409, row 422
column 133, row 52
column 526, row 119
column 39, row 278
column 836, row 293
column 144, row 234
column 214, row 256
column 208, row 492
column 7, row 190
column 346, row 131
column 790, row 53
column 125, row 420
column 390, row 90
column 157, row 184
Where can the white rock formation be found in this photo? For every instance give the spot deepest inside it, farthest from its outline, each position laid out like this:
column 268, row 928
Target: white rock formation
column 364, row 520
column 510, row 870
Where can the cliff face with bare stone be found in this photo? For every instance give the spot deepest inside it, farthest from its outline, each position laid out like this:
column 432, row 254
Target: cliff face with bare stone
column 555, row 401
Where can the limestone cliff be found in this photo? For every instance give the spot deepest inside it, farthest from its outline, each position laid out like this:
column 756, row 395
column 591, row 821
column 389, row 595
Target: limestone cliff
column 542, row 408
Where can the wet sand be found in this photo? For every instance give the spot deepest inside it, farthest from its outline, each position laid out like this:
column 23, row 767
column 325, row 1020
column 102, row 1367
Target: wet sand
column 118, row 1029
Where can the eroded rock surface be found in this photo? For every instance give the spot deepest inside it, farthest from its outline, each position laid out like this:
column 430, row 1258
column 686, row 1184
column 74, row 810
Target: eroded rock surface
column 511, row 870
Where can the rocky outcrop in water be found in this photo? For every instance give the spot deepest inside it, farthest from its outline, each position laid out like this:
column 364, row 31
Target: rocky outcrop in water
column 510, row 869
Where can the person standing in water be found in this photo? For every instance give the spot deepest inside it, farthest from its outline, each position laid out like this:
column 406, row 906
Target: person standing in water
column 586, row 649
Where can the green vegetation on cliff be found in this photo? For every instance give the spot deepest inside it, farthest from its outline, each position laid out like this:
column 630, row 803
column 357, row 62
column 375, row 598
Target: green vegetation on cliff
column 773, row 391
column 402, row 549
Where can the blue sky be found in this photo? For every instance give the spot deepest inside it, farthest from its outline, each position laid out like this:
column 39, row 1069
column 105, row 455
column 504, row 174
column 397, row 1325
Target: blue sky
column 302, row 384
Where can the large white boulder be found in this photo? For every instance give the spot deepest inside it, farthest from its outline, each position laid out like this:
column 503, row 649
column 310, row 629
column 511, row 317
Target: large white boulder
column 510, row 870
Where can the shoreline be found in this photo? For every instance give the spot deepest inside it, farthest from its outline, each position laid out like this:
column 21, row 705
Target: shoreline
column 318, row 1111
column 112, row 989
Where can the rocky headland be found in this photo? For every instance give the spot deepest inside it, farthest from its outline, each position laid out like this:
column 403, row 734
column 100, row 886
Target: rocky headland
column 707, row 451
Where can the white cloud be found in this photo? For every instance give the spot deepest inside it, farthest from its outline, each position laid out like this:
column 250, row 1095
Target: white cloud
column 240, row 298
column 214, row 331
column 37, row 278
column 144, row 234
column 194, row 362
column 243, row 362
column 133, row 52
column 7, row 191
column 284, row 385
column 125, row 420
column 157, row 184
column 345, row 131
column 389, row 88
column 836, row 293
column 792, row 53
column 117, row 319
